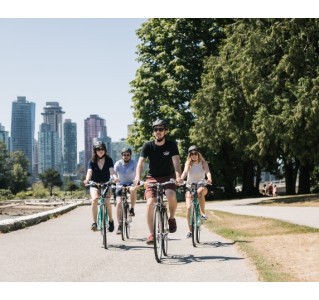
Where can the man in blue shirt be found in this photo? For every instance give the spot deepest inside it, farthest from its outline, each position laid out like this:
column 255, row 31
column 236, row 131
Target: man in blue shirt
column 125, row 170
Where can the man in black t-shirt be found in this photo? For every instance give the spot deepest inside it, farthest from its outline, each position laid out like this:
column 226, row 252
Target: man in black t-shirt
column 164, row 164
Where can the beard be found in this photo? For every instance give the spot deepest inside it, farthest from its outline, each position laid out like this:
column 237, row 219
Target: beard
column 160, row 139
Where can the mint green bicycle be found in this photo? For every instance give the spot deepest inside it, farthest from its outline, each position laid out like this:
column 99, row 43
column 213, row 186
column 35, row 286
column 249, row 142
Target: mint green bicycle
column 195, row 213
column 102, row 214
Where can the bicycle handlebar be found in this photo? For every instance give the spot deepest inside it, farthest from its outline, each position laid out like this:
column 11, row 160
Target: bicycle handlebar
column 195, row 185
column 102, row 185
column 158, row 184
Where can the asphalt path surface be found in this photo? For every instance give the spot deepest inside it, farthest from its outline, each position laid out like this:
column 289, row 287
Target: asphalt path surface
column 308, row 216
column 64, row 249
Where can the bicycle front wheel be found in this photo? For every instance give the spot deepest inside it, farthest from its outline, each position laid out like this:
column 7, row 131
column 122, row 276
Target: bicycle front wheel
column 104, row 226
column 193, row 222
column 165, row 231
column 127, row 221
column 157, row 234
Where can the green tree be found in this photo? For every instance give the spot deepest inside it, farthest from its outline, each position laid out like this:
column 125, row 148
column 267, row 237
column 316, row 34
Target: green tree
column 4, row 168
column 18, row 172
column 171, row 56
column 51, row 178
column 261, row 97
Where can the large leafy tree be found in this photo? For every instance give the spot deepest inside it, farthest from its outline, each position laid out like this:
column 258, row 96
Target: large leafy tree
column 51, row 178
column 171, row 56
column 262, row 95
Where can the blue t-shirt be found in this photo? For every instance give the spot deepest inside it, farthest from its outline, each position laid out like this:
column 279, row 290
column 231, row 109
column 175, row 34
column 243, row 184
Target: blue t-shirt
column 101, row 175
column 125, row 173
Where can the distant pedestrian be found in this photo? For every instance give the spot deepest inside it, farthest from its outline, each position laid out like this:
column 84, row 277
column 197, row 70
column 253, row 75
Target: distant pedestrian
column 274, row 192
column 270, row 189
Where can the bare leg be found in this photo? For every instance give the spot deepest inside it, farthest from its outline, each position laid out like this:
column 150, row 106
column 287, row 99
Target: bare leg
column 149, row 213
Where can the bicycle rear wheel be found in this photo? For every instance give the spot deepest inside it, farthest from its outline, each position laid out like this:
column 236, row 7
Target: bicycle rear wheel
column 193, row 223
column 157, row 234
column 165, row 231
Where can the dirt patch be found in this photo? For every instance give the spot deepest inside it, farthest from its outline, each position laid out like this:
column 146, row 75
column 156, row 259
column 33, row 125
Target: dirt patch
column 297, row 254
column 23, row 210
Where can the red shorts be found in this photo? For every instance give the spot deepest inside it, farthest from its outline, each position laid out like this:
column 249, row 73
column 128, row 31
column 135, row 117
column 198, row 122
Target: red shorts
column 150, row 192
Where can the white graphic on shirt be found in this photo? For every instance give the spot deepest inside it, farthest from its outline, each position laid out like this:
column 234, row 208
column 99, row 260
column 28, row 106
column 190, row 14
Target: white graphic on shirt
column 166, row 153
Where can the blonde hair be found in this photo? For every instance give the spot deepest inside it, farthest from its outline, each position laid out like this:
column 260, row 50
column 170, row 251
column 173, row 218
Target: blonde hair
column 200, row 158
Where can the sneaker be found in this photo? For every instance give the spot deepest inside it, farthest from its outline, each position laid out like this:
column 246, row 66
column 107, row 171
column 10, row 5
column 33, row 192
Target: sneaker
column 132, row 213
column 204, row 217
column 172, row 225
column 94, row 226
column 119, row 229
column 150, row 240
column 111, row 226
column 188, row 235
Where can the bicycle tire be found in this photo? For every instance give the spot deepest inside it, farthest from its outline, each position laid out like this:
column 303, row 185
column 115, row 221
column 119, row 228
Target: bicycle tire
column 193, row 225
column 165, row 232
column 127, row 221
column 198, row 223
column 157, row 234
column 104, row 226
column 122, row 221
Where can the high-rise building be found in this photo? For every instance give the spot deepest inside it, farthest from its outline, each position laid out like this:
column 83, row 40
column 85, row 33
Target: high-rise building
column 4, row 136
column 94, row 127
column 50, row 139
column 49, row 143
column 70, row 147
column 22, row 128
column 53, row 115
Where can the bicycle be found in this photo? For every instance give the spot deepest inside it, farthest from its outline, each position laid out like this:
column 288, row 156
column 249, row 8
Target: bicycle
column 125, row 218
column 160, row 221
column 102, row 214
column 195, row 213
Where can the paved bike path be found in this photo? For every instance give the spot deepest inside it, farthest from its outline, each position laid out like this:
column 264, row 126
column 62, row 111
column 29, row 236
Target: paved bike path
column 64, row 249
column 308, row 216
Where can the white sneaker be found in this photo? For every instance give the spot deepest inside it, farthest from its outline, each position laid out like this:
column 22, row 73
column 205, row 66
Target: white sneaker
column 204, row 217
column 188, row 235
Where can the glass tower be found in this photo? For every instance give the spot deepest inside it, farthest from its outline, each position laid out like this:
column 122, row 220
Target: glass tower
column 70, row 147
column 22, row 128
column 50, row 140
column 94, row 127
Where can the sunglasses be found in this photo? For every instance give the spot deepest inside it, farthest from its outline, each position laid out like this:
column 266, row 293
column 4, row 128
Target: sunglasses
column 160, row 129
column 100, row 149
column 193, row 153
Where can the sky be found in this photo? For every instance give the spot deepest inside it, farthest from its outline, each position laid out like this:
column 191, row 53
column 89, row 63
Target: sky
column 85, row 58
column 84, row 64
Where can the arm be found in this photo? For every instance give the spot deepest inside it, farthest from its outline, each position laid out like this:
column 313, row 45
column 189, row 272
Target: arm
column 88, row 176
column 186, row 169
column 139, row 168
column 207, row 171
column 113, row 174
column 177, row 166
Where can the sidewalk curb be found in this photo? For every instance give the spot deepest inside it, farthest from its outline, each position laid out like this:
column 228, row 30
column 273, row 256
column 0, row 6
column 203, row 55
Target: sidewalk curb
column 25, row 221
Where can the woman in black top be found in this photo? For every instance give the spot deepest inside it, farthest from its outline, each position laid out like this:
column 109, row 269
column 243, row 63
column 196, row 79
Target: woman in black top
column 100, row 169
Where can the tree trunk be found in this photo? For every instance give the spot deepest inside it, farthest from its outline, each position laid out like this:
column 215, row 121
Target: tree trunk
column 248, row 179
column 304, row 179
column 258, row 177
column 290, row 178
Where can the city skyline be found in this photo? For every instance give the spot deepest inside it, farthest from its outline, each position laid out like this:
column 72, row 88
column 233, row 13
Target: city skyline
column 84, row 64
